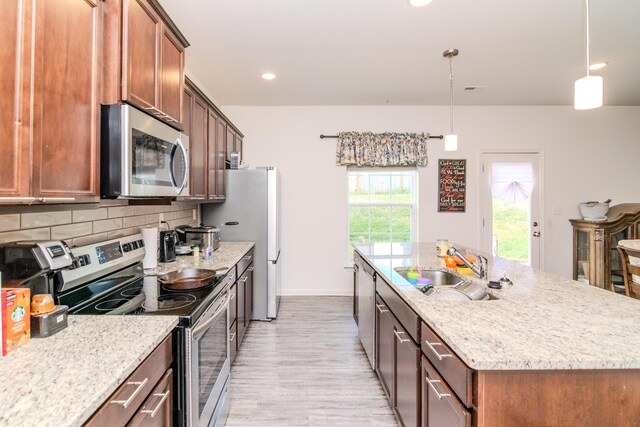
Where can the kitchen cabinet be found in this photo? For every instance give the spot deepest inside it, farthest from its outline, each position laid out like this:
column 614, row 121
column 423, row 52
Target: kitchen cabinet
column 145, row 397
column 398, row 365
column 198, row 148
column 144, row 59
column 440, row 407
column 240, row 319
column 233, row 143
column 596, row 260
column 248, row 300
column 53, row 102
column 215, row 173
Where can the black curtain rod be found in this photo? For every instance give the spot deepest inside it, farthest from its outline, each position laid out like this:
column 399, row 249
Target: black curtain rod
column 336, row 136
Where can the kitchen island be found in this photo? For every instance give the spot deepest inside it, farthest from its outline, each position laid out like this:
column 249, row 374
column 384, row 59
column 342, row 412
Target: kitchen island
column 546, row 344
column 63, row 379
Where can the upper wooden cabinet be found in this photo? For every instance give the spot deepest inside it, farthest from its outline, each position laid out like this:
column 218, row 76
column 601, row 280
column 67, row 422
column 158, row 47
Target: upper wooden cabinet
column 50, row 82
column 233, row 143
column 144, row 59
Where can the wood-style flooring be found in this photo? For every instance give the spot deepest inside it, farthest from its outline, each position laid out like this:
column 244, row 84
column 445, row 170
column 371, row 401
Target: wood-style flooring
column 306, row 368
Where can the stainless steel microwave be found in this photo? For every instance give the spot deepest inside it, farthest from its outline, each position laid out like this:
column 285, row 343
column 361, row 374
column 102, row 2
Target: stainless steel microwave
column 140, row 156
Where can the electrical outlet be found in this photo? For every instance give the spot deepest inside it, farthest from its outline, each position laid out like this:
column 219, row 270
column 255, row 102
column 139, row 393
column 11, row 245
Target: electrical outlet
column 160, row 219
column 557, row 210
column 195, row 214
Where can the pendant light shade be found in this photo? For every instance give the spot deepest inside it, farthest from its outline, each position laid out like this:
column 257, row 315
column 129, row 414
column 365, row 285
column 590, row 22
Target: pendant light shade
column 588, row 90
column 451, row 140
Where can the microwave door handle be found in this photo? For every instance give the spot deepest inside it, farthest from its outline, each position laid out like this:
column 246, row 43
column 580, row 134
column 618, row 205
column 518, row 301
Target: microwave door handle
column 186, row 168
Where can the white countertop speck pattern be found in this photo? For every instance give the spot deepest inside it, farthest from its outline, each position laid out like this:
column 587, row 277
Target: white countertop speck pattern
column 63, row 379
column 225, row 257
column 542, row 322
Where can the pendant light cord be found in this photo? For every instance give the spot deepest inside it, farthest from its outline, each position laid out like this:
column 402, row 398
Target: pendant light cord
column 451, row 93
column 588, row 39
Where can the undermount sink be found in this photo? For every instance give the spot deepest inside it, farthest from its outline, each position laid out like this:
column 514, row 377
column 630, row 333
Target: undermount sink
column 437, row 277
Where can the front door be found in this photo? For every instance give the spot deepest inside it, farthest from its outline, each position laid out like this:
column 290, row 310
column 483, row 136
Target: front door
column 512, row 220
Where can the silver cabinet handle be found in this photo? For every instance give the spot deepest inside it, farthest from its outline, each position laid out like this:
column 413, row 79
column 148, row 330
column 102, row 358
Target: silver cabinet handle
column 399, row 337
column 56, row 199
column 380, row 309
column 248, row 257
column 435, row 390
column 233, row 276
column 126, row 403
column 233, row 296
column 433, row 349
column 158, row 406
column 232, row 337
column 17, row 199
column 250, row 269
column 243, row 279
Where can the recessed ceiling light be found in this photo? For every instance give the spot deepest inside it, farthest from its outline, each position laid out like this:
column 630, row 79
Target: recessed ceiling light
column 268, row 76
column 598, row 66
column 419, row 3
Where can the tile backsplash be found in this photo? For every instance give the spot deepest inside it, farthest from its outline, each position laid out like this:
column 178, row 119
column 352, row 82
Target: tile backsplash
column 77, row 227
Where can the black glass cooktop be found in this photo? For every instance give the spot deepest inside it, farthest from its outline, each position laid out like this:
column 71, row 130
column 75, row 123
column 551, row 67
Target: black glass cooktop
column 130, row 293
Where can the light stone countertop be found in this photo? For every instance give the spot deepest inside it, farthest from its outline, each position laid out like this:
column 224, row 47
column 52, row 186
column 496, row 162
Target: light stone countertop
column 225, row 257
column 543, row 321
column 63, row 379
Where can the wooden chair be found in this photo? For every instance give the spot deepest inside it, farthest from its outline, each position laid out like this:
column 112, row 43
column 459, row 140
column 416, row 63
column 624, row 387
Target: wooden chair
column 631, row 288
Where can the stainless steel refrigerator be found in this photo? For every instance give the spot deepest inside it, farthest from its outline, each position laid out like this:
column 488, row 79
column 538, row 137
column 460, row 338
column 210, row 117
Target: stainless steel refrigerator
column 253, row 202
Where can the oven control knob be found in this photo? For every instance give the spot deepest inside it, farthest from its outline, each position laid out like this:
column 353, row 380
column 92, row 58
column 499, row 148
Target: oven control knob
column 126, row 247
column 141, row 243
column 87, row 259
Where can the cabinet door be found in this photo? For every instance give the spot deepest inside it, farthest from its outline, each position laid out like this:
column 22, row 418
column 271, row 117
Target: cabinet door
column 233, row 304
column 230, row 143
column 385, row 339
column 172, row 73
column 407, row 378
column 187, row 107
column 440, row 407
column 239, row 146
column 248, row 297
column 66, row 108
column 241, row 313
column 356, row 269
column 157, row 410
column 140, row 53
column 212, row 143
column 220, row 157
column 233, row 345
column 14, row 161
column 198, row 147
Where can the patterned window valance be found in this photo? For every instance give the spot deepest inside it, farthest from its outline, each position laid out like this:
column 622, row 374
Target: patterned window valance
column 382, row 149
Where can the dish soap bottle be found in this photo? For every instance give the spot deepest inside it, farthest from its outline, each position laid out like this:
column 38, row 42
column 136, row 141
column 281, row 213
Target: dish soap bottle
column 196, row 252
column 208, row 253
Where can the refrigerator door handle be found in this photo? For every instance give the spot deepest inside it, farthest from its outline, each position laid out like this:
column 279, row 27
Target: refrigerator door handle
column 275, row 261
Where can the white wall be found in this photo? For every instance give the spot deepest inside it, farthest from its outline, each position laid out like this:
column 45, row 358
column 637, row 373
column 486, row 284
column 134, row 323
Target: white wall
column 588, row 155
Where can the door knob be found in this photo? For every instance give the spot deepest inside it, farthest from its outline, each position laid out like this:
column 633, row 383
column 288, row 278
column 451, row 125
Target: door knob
column 535, row 224
column 536, row 234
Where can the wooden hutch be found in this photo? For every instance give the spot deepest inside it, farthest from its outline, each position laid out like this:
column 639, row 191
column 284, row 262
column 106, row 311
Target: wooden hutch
column 595, row 258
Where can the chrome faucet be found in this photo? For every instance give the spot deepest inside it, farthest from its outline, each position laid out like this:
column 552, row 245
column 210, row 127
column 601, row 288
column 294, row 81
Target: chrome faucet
column 481, row 271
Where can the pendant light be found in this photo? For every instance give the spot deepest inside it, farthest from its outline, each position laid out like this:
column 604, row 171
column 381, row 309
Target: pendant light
column 588, row 90
column 451, row 140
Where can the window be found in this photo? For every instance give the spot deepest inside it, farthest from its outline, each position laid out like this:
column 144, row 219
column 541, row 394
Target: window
column 382, row 206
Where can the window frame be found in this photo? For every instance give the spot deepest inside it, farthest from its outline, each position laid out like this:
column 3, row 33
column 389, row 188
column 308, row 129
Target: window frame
column 414, row 205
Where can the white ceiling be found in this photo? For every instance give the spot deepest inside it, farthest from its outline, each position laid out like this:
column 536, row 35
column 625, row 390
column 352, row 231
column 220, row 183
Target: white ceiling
column 376, row 52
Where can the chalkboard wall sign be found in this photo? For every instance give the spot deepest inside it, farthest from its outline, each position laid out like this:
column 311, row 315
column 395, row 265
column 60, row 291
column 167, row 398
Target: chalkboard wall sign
column 452, row 184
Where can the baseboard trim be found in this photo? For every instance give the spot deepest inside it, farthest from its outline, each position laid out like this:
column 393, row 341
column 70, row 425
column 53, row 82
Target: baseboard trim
column 317, row 292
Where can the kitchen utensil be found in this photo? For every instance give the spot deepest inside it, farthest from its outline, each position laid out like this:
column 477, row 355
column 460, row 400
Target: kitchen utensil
column 183, row 250
column 188, row 278
column 413, row 276
column 42, row 304
column 47, row 324
column 594, row 210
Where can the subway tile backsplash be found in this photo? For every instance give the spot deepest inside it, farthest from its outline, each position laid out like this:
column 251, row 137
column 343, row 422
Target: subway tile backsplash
column 112, row 219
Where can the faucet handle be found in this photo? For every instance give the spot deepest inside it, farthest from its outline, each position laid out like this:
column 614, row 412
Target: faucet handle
column 483, row 266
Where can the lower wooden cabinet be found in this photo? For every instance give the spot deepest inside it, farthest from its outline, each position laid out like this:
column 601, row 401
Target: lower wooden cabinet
column 139, row 394
column 398, row 365
column 248, row 296
column 440, row 406
column 157, row 410
column 233, row 342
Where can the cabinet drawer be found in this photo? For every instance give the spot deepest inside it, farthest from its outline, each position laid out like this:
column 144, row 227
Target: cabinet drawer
column 157, row 410
column 244, row 262
column 441, row 408
column 453, row 370
column 405, row 315
column 122, row 404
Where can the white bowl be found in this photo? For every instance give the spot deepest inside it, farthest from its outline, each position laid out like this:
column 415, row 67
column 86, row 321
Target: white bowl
column 597, row 211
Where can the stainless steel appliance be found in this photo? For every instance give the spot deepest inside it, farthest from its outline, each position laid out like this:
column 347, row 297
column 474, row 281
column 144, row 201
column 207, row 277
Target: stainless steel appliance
column 366, row 292
column 168, row 242
column 141, row 156
column 253, row 203
column 111, row 281
column 202, row 236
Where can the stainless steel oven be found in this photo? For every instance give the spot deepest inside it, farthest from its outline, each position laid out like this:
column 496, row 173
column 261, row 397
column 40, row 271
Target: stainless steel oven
column 208, row 366
column 141, row 156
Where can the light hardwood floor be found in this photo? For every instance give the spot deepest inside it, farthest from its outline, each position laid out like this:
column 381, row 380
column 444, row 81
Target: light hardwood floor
column 307, row 368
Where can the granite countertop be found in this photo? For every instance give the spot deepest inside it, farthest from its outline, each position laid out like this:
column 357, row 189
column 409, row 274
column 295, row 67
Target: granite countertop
column 225, row 257
column 543, row 321
column 63, row 379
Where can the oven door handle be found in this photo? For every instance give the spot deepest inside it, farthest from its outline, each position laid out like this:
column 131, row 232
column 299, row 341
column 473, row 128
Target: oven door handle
column 200, row 329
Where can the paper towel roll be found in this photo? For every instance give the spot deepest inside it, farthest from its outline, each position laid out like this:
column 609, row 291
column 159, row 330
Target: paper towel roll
column 150, row 238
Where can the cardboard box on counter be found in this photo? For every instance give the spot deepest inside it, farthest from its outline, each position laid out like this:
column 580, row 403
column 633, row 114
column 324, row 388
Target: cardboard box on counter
column 16, row 319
